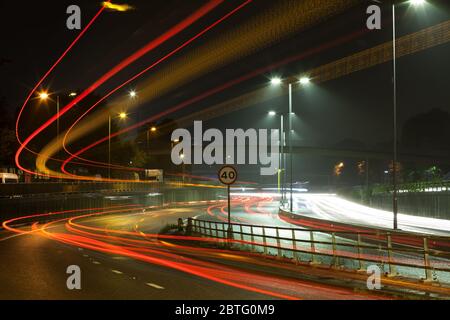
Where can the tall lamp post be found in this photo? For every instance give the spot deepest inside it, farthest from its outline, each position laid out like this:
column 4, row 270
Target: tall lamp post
column 44, row 96
column 121, row 116
column 152, row 129
column 281, row 158
column 278, row 82
column 415, row 3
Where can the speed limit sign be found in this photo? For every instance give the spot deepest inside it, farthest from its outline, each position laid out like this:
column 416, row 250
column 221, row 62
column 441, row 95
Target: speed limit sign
column 227, row 175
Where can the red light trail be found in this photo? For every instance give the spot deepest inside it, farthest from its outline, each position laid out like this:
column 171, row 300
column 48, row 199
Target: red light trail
column 150, row 46
column 151, row 248
column 206, row 95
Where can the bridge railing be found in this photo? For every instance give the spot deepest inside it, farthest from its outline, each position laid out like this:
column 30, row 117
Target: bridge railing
column 419, row 257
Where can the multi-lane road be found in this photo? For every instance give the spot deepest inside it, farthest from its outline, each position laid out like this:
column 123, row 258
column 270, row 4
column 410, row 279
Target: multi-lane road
column 121, row 256
column 334, row 208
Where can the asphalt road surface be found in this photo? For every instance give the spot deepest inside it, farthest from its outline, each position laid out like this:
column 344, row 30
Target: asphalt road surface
column 334, row 208
column 121, row 258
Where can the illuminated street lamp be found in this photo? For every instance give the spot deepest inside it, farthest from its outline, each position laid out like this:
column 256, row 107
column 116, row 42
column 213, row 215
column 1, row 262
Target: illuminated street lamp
column 122, row 116
column 304, row 80
column 338, row 169
column 415, row 3
column 153, row 130
column 278, row 82
column 132, row 94
column 280, row 171
column 44, row 96
column 182, row 166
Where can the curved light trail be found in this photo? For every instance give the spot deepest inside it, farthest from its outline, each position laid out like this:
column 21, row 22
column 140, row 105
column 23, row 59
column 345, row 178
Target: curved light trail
column 285, row 17
column 124, row 63
column 153, row 249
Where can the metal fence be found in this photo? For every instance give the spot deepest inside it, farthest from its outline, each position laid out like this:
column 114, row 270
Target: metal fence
column 39, row 188
column 411, row 256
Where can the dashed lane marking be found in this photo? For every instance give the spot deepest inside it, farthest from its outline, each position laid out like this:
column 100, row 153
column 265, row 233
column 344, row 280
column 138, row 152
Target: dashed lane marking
column 153, row 285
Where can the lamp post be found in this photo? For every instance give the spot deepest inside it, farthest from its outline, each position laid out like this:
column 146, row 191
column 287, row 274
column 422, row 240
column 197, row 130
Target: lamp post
column 302, row 81
column 281, row 153
column 121, row 116
column 394, row 83
column 44, row 96
column 415, row 3
column 152, row 129
column 182, row 166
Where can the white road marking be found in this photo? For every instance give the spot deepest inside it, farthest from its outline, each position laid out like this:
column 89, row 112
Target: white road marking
column 119, row 258
column 117, row 271
column 25, row 233
column 153, row 285
column 95, row 262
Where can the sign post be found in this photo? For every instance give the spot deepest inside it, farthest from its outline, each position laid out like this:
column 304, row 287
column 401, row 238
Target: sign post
column 228, row 175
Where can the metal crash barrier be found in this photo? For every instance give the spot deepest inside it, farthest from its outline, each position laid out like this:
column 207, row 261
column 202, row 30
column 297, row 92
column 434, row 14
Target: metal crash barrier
column 404, row 255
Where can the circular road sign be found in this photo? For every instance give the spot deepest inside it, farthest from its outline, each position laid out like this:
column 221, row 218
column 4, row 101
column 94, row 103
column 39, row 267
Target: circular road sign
column 227, row 175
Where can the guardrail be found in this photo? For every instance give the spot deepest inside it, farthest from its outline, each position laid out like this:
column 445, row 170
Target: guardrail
column 350, row 250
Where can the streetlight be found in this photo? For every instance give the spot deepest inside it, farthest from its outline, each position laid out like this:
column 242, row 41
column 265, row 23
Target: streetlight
column 122, row 116
column 415, row 3
column 303, row 81
column 44, row 96
column 182, row 166
column 153, row 130
column 276, row 81
column 281, row 152
column 132, row 94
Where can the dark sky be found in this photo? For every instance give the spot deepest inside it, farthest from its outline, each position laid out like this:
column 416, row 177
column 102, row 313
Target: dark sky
column 355, row 107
